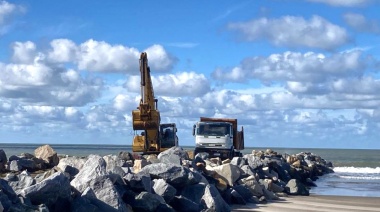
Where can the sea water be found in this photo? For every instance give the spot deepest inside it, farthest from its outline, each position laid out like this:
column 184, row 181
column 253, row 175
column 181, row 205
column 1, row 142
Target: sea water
column 356, row 171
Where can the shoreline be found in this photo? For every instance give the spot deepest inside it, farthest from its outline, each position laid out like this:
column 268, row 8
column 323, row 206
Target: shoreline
column 317, row 203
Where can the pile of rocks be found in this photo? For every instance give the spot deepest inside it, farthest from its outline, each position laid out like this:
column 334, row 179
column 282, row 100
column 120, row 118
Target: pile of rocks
column 170, row 181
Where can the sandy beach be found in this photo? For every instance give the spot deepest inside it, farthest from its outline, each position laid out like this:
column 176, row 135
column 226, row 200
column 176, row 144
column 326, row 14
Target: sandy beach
column 315, row 203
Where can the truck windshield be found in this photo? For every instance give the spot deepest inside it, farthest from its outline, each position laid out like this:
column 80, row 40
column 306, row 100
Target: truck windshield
column 213, row 129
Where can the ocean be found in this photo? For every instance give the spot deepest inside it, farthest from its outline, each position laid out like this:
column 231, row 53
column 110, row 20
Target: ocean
column 356, row 171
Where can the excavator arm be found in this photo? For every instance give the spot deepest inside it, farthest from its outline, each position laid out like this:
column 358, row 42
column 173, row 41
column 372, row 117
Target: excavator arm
column 146, row 117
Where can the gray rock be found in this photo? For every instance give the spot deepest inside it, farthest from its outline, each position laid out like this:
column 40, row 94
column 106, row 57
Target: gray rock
column 81, row 204
column 176, row 176
column 252, row 184
column 113, row 161
column 247, row 171
column 71, row 165
column 213, row 200
column 139, row 182
column 7, row 196
column 15, row 166
column 254, row 162
column 173, row 155
column 195, row 177
column 21, row 181
column 42, row 176
column 104, row 194
column 146, row 202
column 26, row 155
column 239, row 161
column 3, row 160
column 163, row 189
column 95, row 166
column 236, row 198
column 194, row 192
column 295, row 187
column 126, row 156
column 164, row 208
column 269, row 195
column 245, row 192
column 54, row 192
column 13, row 157
column 183, row 204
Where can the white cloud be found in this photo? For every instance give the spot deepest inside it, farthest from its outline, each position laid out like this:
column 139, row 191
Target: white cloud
column 159, row 59
column 24, row 52
column 103, row 57
column 125, row 103
column 178, row 84
column 361, row 23
column 6, row 9
column 40, row 83
column 292, row 31
column 294, row 66
column 343, row 3
column 63, row 50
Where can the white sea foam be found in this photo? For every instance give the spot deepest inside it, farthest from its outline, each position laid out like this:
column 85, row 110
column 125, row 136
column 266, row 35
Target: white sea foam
column 361, row 177
column 358, row 170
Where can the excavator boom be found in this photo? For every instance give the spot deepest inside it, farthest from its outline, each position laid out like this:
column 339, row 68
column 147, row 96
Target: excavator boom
column 147, row 117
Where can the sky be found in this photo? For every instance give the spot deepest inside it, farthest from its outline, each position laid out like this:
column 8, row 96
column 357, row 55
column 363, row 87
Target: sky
column 295, row 73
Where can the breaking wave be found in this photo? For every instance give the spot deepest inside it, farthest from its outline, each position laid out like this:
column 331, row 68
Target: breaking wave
column 358, row 170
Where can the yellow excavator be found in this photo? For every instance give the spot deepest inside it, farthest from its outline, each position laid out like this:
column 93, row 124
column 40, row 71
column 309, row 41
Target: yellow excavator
column 154, row 137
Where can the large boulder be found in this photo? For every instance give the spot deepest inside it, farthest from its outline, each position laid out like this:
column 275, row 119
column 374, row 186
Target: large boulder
column 19, row 182
column 194, row 192
column 47, row 154
column 213, row 200
column 177, row 176
column 229, row 172
column 173, row 155
column 239, row 161
column 296, row 187
column 147, row 202
column 138, row 182
column 181, row 203
column 252, row 184
column 95, row 166
column 102, row 193
column 113, row 161
column 3, row 160
column 255, row 162
column 23, row 164
column 7, row 196
column 54, row 192
column 71, row 165
column 163, row 189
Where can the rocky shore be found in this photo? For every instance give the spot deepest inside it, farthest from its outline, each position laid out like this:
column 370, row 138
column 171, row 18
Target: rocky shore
column 170, row 181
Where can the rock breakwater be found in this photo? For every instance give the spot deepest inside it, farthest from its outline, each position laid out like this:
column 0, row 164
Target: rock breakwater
column 170, row 181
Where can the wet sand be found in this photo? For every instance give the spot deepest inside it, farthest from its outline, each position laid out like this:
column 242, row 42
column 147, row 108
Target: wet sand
column 315, row 203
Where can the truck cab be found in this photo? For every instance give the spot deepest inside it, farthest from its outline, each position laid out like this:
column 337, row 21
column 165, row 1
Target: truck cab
column 218, row 137
column 213, row 134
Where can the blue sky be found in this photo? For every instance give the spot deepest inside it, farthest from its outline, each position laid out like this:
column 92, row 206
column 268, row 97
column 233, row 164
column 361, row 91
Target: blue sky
column 295, row 73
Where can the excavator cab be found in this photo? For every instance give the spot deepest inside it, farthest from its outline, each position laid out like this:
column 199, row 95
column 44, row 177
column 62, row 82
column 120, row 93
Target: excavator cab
column 168, row 136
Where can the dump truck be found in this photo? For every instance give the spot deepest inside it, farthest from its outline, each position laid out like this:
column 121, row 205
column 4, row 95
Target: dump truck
column 219, row 137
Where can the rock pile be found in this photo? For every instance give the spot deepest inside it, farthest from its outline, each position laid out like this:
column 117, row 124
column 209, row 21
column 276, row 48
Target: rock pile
column 170, row 181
